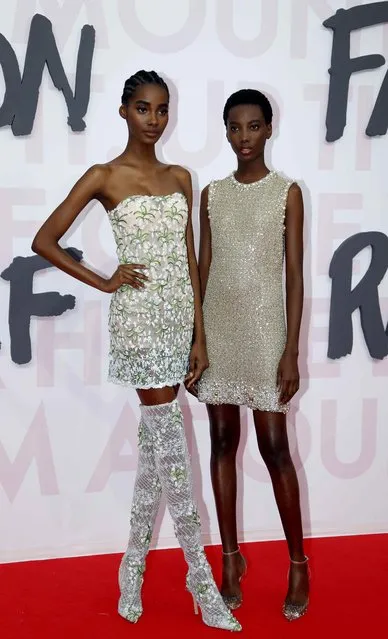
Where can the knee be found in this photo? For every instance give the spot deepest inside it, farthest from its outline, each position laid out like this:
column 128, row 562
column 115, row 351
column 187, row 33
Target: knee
column 277, row 458
column 223, row 443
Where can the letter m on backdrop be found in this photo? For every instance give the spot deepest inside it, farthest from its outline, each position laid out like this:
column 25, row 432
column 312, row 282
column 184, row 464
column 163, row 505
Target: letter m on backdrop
column 22, row 91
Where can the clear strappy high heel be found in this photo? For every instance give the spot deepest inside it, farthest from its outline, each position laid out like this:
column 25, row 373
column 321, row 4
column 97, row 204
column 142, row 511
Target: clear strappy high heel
column 234, row 601
column 293, row 611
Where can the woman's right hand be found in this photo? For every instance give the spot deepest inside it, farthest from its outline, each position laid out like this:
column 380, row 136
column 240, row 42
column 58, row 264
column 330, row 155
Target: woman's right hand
column 126, row 274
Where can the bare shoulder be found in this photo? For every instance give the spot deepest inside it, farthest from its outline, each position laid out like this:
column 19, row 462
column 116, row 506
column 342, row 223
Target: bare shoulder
column 180, row 171
column 91, row 183
column 97, row 174
column 97, row 171
column 183, row 177
column 294, row 199
column 294, row 192
column 182, row 174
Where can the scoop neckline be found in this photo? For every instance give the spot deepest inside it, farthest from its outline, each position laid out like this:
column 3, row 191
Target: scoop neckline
column 248, row 184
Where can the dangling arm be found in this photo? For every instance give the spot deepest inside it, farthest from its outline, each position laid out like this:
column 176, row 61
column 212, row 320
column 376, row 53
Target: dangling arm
column 198, row 356
column 205, row 245
column 288, row 373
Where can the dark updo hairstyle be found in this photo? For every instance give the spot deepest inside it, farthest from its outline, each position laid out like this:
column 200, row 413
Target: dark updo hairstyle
column 140, row 78
column 249, row 96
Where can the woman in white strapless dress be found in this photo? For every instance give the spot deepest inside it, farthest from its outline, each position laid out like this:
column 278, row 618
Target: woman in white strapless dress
column 156, row 329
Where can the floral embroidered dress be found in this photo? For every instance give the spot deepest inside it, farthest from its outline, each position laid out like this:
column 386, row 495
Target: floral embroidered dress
column 151, row 329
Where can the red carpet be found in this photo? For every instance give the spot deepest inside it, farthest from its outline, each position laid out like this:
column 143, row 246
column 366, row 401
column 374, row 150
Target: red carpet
column 76, row 598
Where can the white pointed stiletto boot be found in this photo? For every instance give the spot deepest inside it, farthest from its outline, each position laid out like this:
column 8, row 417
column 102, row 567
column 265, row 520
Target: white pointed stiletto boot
column 173, row 463
column 145, row 505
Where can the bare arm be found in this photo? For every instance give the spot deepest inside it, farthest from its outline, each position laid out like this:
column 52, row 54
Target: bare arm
column 288, row 373
column 46, row 240
column 199, row 333
column 294, row 266
column 45, row 243
column 205, row 244
column 198, row 356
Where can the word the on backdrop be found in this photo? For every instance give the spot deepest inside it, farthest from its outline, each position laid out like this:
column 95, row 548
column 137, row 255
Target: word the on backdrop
column 343, row 22
column 23, row 303
column 22, row 91
column 364, row 296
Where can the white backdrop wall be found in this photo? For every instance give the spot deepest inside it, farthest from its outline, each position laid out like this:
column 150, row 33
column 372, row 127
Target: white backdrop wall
column 67, row 437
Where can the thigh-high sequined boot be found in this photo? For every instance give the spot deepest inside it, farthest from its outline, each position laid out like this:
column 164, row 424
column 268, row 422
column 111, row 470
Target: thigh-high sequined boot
column 165, row 422
column 145, row 505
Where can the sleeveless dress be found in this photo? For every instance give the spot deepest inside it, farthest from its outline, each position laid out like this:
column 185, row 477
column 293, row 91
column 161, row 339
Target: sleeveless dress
column 243, row 306
column 151, row 329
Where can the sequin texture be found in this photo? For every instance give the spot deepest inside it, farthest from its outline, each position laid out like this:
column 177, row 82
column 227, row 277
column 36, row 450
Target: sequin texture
column 243, row 306
column 164, row 466
column 145, row 505
column 165, row 423
column 151, row 329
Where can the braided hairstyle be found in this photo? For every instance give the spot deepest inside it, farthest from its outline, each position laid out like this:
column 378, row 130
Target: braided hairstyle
column 140, row 78
column 249, row 96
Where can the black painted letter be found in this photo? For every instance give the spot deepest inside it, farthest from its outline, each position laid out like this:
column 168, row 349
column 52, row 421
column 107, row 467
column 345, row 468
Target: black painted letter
column 23, row 303
column 343, row 22
column 22, row 93
column 365, row 296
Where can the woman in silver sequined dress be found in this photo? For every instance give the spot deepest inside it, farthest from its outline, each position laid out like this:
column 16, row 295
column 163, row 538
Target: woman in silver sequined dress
column 156, row 329
column 249, row 220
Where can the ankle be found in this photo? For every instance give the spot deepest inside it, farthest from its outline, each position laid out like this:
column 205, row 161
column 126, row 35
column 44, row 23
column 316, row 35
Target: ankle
column 298, row 559
column 232, row 553
column 299, row 567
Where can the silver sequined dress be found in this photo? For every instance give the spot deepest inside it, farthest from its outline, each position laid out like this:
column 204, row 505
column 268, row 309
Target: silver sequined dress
column 151, row 329
column 243, row 306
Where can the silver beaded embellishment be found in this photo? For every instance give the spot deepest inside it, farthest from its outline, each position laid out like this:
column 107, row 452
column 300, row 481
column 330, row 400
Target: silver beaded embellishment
column 243, row 306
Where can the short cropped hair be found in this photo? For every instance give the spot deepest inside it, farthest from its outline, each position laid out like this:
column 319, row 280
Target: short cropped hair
column 249, row 96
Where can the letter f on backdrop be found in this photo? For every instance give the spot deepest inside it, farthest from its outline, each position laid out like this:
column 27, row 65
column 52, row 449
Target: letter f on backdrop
column 343, row 22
